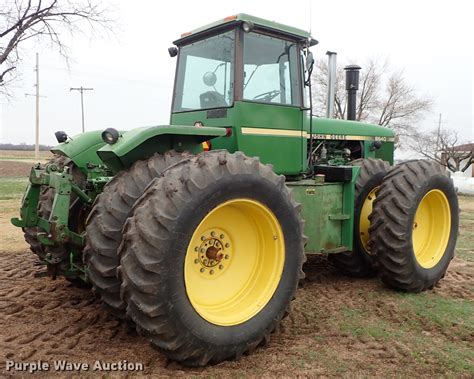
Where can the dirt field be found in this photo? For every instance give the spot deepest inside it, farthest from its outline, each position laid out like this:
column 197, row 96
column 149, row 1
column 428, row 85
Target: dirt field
column 339, row 326
column 16, row 163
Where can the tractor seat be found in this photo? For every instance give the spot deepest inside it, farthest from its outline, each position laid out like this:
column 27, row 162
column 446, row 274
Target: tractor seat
column 212, row 99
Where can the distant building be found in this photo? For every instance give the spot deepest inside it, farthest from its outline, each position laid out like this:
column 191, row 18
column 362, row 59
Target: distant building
column 464, row 181
column 461, row 149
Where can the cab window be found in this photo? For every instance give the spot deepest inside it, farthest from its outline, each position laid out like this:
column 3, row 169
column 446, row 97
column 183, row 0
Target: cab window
column 271, row 70
column 205, row 74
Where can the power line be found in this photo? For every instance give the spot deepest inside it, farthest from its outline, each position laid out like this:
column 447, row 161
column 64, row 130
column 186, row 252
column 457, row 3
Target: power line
column 81, row 89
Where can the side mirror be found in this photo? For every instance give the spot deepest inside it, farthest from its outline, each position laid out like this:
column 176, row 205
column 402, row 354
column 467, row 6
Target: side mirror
column 173, row 51
column 209, row 78
column 309, row 61
column 309, row 68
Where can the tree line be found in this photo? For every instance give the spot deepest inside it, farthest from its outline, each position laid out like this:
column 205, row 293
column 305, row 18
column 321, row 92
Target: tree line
column 23, row 147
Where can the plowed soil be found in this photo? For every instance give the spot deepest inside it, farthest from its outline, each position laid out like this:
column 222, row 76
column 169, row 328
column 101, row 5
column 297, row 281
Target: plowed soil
column 338, row 327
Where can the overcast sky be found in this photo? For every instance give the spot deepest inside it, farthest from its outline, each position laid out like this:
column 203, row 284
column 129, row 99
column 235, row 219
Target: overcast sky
column 132, row 73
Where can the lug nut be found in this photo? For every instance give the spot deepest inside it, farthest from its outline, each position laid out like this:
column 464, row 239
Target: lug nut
column 196, row 261
column 221, row 267
column 213, row 234
column 203, row 238
column 196, row 248
column 211, row 272
column 202, row 270
column 227, row 245
column 226, row 256
column 221, row 236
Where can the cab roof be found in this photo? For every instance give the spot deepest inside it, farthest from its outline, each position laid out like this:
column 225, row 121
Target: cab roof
column 259, row 24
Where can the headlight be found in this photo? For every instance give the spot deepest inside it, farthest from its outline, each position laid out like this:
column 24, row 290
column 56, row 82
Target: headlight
column 61, row 136
column 110, row 136
column 247, row 26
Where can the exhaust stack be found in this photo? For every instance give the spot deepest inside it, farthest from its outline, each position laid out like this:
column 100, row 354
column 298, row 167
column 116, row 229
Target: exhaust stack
column 332, row 57
column 352, row 86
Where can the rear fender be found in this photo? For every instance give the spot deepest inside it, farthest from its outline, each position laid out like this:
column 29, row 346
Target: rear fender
column 142, row 143
column 82, row 149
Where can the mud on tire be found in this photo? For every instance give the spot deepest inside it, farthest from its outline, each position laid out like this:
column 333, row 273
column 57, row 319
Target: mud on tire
column 359, row 262
column 105, row 222
column 157, row 242
column 416, row 194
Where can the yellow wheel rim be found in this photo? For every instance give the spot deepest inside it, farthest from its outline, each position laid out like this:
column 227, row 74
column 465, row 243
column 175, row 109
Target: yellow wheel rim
column 234, row 262
column 364, row 222
column 431, row 228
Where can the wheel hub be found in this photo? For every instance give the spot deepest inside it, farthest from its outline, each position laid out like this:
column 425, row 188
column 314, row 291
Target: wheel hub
column 213, row 253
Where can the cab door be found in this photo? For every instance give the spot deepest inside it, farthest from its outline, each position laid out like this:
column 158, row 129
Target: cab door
column 268, row 113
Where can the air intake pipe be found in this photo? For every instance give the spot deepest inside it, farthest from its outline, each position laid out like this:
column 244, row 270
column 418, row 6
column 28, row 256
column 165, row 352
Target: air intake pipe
column 352, row 86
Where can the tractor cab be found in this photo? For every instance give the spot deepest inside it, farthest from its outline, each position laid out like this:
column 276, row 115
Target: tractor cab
column 247, row 63
column 251, row 76
column 246, row 74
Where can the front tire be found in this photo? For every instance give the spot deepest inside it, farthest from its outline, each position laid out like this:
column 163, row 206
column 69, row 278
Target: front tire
column 415, row 223
column 212, row 257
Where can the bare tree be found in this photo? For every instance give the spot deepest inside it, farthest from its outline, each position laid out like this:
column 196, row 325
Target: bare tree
column 43, row 20
column 443, row 146
column 384, row 96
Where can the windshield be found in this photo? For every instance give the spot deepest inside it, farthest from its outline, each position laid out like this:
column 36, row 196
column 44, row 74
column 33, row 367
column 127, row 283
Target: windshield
column 205, row 74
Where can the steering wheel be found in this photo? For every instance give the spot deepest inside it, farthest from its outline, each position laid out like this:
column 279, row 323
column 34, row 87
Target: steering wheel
column 267, row 96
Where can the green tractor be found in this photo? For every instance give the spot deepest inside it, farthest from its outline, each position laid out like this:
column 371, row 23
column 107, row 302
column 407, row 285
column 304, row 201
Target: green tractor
column 197, row 231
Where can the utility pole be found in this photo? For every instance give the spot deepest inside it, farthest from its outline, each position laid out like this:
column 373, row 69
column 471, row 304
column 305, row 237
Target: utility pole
column 81, row 89
column 37, row 95
column 439, row 132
